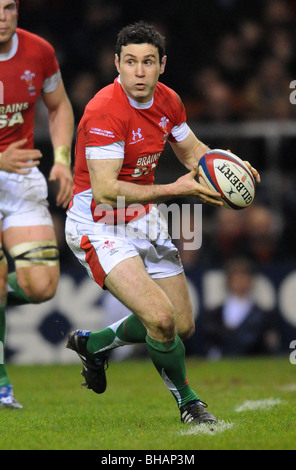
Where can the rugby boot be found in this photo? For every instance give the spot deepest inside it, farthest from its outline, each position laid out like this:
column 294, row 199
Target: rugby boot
column 94, row 365
column 194, row 412
column 7, row 399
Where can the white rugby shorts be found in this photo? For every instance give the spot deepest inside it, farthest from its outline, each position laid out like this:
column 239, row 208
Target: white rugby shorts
column 23, row 200
column 100, row 247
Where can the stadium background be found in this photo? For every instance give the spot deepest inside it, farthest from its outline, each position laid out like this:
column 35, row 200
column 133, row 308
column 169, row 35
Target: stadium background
column 233, row 63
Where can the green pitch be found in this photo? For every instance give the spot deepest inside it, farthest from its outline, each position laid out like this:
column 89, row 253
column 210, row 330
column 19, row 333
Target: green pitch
column 255, row 401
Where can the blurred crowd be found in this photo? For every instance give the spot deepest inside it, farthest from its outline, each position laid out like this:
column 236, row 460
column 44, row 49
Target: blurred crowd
column 256, row 233
column 230, row 61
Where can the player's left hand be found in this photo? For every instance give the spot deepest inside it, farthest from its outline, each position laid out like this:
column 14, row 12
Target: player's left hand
column 254, row 172
column 63, row 175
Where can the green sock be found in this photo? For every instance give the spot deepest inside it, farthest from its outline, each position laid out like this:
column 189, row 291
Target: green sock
column 15, row 295
column 128, row 330
column 4, row 380
column 169, row 360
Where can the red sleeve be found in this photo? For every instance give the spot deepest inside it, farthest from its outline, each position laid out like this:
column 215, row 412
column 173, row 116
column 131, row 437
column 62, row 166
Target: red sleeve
column 48, row 59
column 179, row 113
column 102, row 124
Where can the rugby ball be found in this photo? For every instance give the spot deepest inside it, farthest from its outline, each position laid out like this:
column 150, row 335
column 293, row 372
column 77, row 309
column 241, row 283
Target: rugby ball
column 226, row 173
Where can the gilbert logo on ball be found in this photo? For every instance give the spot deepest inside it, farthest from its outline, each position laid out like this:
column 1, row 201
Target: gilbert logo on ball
column 226, row 173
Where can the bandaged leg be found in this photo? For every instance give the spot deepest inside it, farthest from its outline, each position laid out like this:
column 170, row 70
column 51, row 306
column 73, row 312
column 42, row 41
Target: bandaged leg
column 28, row 255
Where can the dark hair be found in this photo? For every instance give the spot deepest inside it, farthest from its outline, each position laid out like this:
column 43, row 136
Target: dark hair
column 140, row 33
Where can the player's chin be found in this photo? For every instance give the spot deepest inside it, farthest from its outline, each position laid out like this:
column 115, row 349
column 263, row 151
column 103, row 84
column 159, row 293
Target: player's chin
column 4, row 37
column 139, row 93
column 142, row 93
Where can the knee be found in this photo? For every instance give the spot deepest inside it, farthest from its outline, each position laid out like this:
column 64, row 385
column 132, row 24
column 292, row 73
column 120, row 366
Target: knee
column 185, row 323
column 165, row 325
column 40, row 290
column 187, row 330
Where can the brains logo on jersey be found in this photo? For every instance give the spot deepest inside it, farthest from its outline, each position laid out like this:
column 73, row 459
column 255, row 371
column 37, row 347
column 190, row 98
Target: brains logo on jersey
column 28, row 77
column 164, row 125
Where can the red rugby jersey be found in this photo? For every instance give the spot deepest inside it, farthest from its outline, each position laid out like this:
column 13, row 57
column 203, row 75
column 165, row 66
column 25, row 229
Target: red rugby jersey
column 22, row 77
column 108, row 118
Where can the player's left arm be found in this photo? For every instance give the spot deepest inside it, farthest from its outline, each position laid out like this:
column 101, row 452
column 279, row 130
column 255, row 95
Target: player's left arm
column 61, row 128
column 190, row 150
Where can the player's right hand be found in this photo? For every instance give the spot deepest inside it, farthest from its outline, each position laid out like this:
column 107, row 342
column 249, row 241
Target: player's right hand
column 14, row 159
column 188, row 186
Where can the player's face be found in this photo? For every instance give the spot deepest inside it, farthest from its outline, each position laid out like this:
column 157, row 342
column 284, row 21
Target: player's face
column 139, row 70
column 8, row 22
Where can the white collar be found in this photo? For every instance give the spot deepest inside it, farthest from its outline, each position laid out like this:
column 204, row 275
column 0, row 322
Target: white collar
column 13, row 50
column 136, row 104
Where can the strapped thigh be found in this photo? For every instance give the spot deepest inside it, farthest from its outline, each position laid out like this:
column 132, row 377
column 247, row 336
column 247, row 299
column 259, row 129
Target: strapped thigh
column 35, row 253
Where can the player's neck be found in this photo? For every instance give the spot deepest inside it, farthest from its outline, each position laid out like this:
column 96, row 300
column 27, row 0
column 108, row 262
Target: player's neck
column 9, row 48
column 5, row 47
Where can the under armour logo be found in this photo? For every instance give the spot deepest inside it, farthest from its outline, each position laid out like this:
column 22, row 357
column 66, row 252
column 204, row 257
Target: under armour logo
column 137, row 135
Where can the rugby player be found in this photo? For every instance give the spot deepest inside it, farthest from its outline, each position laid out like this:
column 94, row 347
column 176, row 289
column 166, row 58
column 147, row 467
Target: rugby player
column 113, row 225
column 28, row 70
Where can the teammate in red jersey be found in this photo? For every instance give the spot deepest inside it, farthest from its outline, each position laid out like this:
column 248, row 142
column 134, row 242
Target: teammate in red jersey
column 126, row 249
column 28, row 70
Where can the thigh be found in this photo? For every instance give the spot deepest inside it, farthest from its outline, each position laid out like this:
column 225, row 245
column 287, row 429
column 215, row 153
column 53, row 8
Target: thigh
column 13, row 236
column 177, row 291
column 129, row 283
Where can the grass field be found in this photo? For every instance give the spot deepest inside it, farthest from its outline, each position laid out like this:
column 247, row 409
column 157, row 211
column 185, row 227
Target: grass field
column 255, row 401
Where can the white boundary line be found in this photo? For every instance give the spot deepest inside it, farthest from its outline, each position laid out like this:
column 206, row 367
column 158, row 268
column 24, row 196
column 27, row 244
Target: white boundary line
column 250, row 405
column 206, row 428
column 288, row 388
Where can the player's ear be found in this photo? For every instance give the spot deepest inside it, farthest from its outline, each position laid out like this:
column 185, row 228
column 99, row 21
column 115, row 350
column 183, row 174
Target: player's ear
column 163, row 64
column 117, row 62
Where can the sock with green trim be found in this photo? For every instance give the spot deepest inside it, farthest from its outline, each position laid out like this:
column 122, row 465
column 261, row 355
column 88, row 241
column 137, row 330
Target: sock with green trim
column 4, row 380
column 128, row 330
column 15, row 295
column 169, row 360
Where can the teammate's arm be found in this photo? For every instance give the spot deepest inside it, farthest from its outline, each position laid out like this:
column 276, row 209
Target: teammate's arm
column 106, row 187
column 61, row 126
